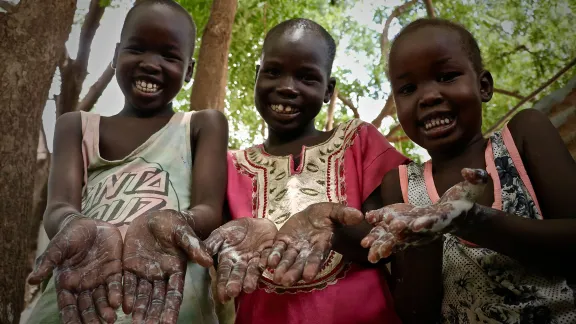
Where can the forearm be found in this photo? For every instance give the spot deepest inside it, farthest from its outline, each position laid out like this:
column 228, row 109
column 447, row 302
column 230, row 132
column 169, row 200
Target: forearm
column 543, row 243
column 204, row 219
column 55, row 214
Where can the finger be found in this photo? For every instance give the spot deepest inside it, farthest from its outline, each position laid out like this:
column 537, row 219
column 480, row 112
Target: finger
column 214, row 242
column 234, row 285
column 102, row 305
column 222, row 277
column 173, row 299
column 294, row 273
column 377, row 233
column 347, row 215
column 143, row 293
column 253, row 273
column 287, row 261
column 381, row 249
column 86, row 308
column 422, row 223
column 397, row 226
column 45, row 263
column 114, row 283
column 130, row 284
column 314, row 262
column 68, row 309
column 194, row 248
column 157, row 302
column 263, row 261
column 276, row 254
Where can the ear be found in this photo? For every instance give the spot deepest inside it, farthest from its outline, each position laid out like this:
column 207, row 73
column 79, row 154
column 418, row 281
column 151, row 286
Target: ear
column 257, row 71
column 190, row 70
column 329, row 90
column 486, row 86
column 115, row 58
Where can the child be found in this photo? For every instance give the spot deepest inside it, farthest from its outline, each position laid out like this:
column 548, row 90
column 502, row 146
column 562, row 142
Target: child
column 136, row 191
column 503, row 264
column 299, row 166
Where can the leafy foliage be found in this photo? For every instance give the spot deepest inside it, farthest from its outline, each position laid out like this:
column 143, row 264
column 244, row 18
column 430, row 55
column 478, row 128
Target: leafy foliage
column 524, row 43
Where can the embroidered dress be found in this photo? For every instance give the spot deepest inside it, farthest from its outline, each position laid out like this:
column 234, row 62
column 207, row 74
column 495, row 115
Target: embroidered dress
column 345, row 169
column 156, row 175
column 483, row 286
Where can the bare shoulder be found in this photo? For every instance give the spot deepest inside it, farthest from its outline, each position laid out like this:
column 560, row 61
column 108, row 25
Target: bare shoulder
column 529, row 125
column 208, row 117
column 390, row 188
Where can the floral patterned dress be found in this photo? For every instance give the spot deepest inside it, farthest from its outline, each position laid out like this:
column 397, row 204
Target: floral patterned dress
column 481, row 285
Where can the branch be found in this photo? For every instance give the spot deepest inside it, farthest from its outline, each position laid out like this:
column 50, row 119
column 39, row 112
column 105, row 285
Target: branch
column 530, row 96
column 7, row 6
column 349, row 104
column 387, row 110
column 396, row 139
column 394, row 130
column 64, row 59
column 514, row 94
column 89, row 27
column 330, row 114
column 429, row 8
column 96, row 90
column 384, row 42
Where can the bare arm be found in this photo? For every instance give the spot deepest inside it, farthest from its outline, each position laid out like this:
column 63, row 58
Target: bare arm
column 210, row 137
column 66, row 173
column 552, row 172
column 416, row 272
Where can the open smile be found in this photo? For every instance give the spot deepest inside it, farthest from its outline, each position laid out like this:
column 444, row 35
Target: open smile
column 284, row 109
column 439, row 125
column 147, row 88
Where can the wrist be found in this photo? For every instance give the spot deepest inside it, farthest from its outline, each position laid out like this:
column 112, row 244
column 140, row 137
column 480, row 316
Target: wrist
column 67, row 219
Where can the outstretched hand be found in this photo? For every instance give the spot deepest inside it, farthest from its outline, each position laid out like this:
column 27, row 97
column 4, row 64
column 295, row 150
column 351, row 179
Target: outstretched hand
column 240, row 244
column 399, row 226
column 157, row 247
column 86, row 258
column 305, row 240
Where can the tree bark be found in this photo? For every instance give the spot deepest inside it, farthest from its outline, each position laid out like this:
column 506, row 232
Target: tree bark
column 330, row 113
column 209, row 88
column 31, row 41
column 348, row 103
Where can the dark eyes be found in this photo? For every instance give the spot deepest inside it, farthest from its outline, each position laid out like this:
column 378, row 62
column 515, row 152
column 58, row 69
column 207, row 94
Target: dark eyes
column 137, row 50
column 305, row 77
column 407, row 89
column 448, row 77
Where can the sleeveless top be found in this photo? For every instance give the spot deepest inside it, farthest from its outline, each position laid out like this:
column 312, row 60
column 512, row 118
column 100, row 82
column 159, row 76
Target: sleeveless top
column 481, row 285
column 156, row 175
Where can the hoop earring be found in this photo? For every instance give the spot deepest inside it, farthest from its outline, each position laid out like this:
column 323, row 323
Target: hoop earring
column 112, row 66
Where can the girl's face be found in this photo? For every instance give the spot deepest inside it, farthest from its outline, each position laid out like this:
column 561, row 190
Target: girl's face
column 153, row 57
column 292, row 82
column 438, row 94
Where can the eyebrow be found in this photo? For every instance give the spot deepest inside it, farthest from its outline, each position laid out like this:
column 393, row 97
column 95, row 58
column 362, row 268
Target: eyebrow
column 439, row 61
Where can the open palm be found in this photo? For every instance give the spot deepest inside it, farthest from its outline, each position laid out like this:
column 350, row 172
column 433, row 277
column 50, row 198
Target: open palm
column 86, row 258
column 157, row 248
column 240, row 244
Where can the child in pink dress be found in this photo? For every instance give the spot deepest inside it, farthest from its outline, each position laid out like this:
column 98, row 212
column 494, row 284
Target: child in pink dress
column 297, row 167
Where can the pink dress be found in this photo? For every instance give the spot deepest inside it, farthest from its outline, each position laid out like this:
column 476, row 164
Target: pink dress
column 345, row 169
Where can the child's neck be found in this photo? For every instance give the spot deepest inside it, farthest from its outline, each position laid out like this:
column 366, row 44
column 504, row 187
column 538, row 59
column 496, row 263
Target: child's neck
column 469, row 156
column 283, row 143
column 131, row 111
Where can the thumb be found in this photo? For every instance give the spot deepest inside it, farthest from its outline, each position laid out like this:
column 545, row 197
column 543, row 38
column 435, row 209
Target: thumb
column 347, row 216
column 187, row 240
column 214, row 242
column 45, row 264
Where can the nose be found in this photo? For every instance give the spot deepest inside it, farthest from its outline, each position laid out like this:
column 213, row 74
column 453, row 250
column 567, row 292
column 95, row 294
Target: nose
column 287, row 88
column 431, row 96
column 150, row 64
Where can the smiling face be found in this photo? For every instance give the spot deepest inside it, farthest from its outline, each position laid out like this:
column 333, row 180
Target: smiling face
column 438, row 93
column 154, row 57
column 293, row 82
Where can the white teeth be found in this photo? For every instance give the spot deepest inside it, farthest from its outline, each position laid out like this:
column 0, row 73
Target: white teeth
column 437, row 122
column 147, row 86
column 283, row 110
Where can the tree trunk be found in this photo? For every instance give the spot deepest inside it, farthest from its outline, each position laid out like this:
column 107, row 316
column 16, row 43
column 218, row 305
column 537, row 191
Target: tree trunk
column 31, row 41
column 209, row 88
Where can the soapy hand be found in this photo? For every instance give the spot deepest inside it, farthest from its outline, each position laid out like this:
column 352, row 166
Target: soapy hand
column 86, row 258
column 305, row 240
column 157, row 247
column 399, row 226
column 240, row 245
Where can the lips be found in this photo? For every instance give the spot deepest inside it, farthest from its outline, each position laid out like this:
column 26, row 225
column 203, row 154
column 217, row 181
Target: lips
column 438, row 124
column 148, row 87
